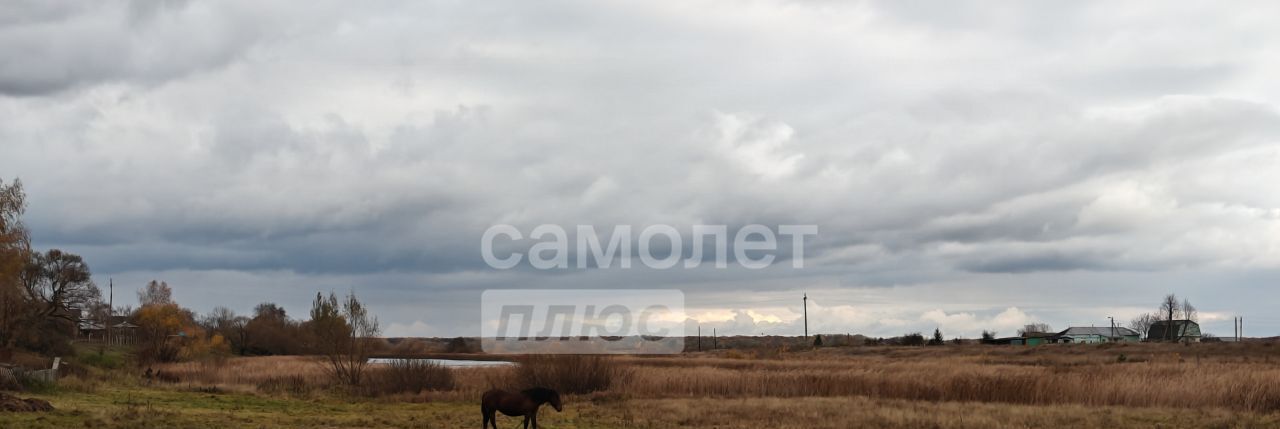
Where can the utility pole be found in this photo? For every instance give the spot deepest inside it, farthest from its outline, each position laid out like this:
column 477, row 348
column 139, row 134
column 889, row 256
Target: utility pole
column 806, row 316
column 1113, row 328
column 699, row 337
column 714, row 340
column 111, row 309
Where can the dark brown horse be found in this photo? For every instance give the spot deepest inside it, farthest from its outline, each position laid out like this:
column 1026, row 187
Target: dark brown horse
column 525, row 404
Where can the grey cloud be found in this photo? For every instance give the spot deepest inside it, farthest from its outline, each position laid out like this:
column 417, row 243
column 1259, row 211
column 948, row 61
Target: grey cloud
column 56, row 46
column 1023, row 263
column 342, row 142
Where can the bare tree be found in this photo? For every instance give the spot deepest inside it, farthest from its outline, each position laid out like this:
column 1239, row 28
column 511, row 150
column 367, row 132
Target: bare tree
column 1170, row 308
column 216, row 318
column 1143, row 323
column 239, row 330
column 344, row 334
column 225, row 322
column 155, row 293
column 1038, row 327
column 1188, row 310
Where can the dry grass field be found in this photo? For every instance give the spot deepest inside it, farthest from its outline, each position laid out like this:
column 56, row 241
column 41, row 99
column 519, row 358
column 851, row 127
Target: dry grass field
column 969, row 386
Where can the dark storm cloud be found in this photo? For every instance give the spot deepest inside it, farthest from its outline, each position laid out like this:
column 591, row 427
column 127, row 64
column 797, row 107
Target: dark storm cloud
column 1050, row 261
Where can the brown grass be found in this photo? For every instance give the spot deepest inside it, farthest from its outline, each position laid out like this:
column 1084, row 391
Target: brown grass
column 572, row 374
column 1242, row 377
column 1202, row 375
column 248, row 371
column 304, row 375
column 864, row 412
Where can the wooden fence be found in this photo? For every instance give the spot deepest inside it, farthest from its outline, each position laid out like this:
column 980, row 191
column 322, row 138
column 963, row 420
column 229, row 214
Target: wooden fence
column 116, row 339
column 43, row 375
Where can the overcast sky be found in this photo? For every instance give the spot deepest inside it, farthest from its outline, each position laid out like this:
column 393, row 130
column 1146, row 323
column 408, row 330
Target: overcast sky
column 969, row 165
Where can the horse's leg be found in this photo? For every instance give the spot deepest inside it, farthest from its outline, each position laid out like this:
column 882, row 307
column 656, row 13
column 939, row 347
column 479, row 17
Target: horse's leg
column 526, row 421
column 535, row 419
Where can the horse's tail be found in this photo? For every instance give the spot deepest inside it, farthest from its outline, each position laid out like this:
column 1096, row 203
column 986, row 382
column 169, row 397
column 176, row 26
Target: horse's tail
column 488, row 411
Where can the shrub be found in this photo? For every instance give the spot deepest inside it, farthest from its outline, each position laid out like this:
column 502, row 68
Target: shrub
column 167, row 377
column 913, row 339
column 570, row 373
column 459, row 345
column 345, row 334
column 408, row 376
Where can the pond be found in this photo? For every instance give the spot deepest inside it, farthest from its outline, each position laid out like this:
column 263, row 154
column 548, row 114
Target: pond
column 451, row 363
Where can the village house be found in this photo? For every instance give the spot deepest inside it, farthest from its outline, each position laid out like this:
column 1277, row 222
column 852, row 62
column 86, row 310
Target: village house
column 1183, row 331
column 1075, row 334
column 1092, row 334
column 122, row 332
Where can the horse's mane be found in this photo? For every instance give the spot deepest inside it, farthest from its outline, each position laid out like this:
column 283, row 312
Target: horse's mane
column 540, row 393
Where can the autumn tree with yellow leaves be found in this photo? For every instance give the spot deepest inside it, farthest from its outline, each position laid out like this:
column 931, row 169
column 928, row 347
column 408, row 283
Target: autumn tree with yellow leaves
column 169, row 333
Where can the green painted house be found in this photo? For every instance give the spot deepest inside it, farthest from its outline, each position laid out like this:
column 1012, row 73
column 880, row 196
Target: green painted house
column 1031, row 339
column 1093, row 334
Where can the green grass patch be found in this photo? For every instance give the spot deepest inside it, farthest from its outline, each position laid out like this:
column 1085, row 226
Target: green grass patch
column 108, row 360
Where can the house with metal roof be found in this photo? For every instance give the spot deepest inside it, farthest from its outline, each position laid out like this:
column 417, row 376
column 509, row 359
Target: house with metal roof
column 1075, row 334
column 1183, row 331
column 1029, row 339
column 1093, row 334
